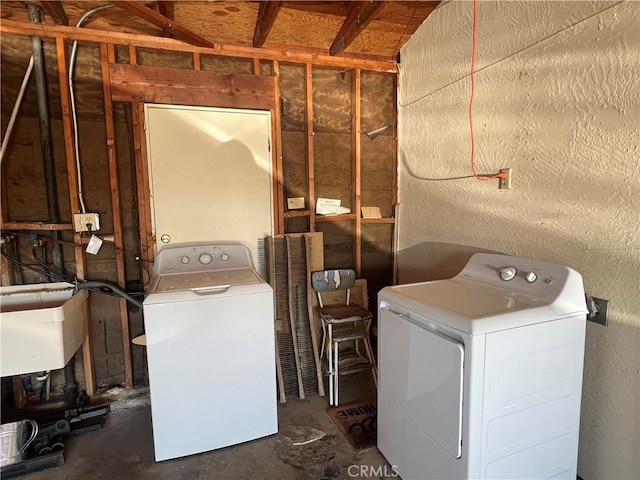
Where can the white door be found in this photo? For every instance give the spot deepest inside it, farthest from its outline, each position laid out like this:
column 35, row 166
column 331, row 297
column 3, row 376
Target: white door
column 210, row 174
column 420, row 378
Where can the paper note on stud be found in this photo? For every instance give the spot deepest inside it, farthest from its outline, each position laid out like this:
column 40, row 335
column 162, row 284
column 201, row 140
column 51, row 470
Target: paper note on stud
column 93, row 247
column 295, row 203
column 371, row 212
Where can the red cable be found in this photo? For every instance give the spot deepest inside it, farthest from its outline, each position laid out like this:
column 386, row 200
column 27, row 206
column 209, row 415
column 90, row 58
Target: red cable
column 474, row 49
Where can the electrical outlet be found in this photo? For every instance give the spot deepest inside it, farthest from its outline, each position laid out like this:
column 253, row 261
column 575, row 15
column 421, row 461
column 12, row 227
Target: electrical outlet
column 597, row 309
column 86, row 222
column 505, row 183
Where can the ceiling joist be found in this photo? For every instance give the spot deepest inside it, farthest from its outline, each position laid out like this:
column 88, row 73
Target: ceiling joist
column 166, row 24
column 166, row 9
column 160, row 43
column 266, row 18
column 360, row 15
column 56, row 11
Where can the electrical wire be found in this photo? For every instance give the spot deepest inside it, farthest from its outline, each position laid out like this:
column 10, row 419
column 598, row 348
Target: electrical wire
column 413, row 174
column 474, row 54
column 72, row 98
column 475, row 174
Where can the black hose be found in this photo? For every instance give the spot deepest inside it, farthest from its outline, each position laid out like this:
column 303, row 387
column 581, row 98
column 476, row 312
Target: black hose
column 94, row 284
column 25, row 265
column 53, row 272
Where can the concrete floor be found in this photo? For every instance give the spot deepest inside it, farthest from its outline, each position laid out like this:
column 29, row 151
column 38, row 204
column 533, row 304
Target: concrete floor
column 123, row 449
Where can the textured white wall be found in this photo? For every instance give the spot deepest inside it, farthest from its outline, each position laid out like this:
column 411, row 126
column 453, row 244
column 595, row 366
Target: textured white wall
column 558, row 100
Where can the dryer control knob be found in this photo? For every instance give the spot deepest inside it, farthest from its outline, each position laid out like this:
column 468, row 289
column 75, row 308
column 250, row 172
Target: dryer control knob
column 531, row 277
column 224, row 257
column 507, row 273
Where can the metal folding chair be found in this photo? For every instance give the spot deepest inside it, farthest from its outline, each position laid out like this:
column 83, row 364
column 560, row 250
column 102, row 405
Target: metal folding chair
column 343, row 323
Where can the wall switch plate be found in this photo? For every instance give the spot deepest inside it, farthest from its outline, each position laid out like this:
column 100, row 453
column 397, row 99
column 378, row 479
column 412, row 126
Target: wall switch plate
column 505, row 183
column 597, row 310
column 86, row 222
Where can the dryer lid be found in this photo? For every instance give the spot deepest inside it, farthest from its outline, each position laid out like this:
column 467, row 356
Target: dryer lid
column 467, row 299
column 480, row 300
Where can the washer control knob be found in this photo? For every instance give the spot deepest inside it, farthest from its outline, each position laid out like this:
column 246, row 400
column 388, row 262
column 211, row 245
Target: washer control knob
column 224, row 257
column 205, row 258
column 185, row 259
column 507, row 273
column 531, row 277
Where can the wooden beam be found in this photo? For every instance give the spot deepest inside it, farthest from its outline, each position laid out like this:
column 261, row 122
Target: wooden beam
column 6, row 266
column 360, row 15
column 133, row 55
column 379, row 220
column 357, row 168
column 37, row 226
column 278, row 171
column 107, row 56
column 267, row 14
column 166, row 9
column 291, row 55
column 166, row 24
column 311, row 192
column 19, row 395
column 147, row 240
column 335, row 218
column 296, row 214
column 56, row 11
column 188, row 87
column 74, row 202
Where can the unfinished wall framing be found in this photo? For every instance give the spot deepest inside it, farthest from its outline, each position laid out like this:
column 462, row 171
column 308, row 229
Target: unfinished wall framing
column 320, row 108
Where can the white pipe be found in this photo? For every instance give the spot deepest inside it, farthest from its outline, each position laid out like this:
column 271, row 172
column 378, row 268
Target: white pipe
column 72, row 97
column 16, row 108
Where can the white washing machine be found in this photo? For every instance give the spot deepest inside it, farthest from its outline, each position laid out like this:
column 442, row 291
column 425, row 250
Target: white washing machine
column 480, row 376
column 210, row 350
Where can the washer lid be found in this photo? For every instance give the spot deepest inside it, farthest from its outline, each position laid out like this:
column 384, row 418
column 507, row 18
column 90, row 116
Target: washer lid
column 199, row 280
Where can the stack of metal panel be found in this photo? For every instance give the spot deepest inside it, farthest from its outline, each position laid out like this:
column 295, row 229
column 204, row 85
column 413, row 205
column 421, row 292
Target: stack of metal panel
column 292, row 258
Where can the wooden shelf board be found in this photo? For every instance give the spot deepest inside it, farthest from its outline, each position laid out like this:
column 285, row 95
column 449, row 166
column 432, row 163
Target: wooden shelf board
column 378, row 220
column 296, row 213
column 335, row 218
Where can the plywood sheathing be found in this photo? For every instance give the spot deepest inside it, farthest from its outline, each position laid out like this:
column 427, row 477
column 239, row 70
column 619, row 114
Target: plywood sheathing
column 392, row 27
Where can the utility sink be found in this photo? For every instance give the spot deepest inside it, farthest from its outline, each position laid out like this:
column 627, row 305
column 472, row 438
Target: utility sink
column 41, row 326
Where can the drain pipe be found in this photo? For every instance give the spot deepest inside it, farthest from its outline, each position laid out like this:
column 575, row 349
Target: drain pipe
column 45, row 136
column 70, row 387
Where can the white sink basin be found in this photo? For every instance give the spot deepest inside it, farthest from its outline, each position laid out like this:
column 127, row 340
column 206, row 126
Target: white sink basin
column 41, row 326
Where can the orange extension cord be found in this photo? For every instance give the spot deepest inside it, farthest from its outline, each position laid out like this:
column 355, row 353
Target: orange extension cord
column 474, row 49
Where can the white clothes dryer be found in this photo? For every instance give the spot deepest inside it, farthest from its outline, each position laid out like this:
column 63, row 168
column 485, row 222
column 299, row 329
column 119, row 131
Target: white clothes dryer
column 480, row 375
column 210, row 350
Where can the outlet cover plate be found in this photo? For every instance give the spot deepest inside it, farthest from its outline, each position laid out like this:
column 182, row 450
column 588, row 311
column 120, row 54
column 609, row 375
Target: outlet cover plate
column 505, row 183
column 86, row 222
column 600, row 316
